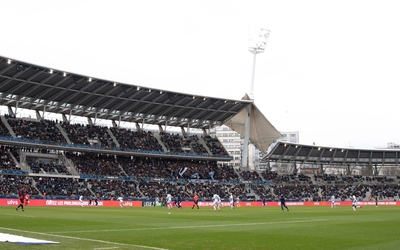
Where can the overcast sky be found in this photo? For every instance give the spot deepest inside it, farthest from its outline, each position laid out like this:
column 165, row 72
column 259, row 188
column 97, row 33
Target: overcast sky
column 331, row 69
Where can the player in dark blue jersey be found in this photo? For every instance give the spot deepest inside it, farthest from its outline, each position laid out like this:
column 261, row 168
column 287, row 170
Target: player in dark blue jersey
column 282, row 200
column 96, row 203
column 178, row 202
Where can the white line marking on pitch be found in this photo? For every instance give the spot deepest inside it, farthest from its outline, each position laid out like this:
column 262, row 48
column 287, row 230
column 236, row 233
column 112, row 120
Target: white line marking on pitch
column 85, row 239
column 21, row 215
column 105, row 248
column 187, row 227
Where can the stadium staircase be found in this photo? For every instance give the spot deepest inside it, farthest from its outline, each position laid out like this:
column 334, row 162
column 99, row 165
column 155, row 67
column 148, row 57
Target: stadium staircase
column 5, row 122
column 69, row 165
column 114, row 139
column 273, row 191
column 202, row 142
column 22, row 162
column 58, row 125
column 33, row 185
column 89, row 187
column 19, row 165
column 158, row 137
column 122, row 169
column 368, row 194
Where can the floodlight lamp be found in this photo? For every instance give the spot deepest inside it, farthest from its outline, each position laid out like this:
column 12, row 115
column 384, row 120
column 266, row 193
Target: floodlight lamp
column 137, row 88
column 9, row 61
column 64, row 74
column 51, row 71
column 89, row 79
column 258, row 40
column 115, row 84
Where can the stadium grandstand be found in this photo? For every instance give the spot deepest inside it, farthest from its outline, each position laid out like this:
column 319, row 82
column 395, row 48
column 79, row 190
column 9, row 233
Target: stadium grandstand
column 59, row 158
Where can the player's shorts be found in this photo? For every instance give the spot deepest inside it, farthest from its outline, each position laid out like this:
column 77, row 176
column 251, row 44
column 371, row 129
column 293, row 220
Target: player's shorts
column 22, row 200
column 195, row 202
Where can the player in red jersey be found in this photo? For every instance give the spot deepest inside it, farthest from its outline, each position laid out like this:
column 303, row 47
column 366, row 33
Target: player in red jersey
column 195, row 201
column 21, row 199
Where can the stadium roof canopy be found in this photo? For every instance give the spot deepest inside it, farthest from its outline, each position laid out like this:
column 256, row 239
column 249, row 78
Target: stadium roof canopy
column 34, row 87
column 291, row 152
column 28, row 86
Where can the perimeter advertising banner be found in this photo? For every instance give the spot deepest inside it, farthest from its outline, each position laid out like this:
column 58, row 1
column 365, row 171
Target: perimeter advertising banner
column 65, row 203
column 292, row 203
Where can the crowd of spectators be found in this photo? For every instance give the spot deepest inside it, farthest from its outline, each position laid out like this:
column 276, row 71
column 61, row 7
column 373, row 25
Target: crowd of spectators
column 6, row 162
column 344, row 192
column 88, row 135
column 215, row 146
column 193, row 142
column 80, row 135
column 43, row 130
column 92, row 164
column 154, row 177
column 4, row 130
column 263, row 191
column 10, row 185
column 61, row 187
column 250, row 176
column 107, row 189
column 297, row 192
column 140, row 140
column 172, row 141
column 205, row 191
column 47, row 168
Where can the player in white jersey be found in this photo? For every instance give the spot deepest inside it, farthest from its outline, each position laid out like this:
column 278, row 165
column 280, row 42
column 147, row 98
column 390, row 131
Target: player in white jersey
column 169, row 201
column 237, row 201
column 333, row 201
column 121, row 200
column 231, row 201
column 216, row 202
column 81, row 200
column 355, row 203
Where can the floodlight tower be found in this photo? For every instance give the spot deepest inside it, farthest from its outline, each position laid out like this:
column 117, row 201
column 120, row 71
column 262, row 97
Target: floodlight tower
column 257, row 42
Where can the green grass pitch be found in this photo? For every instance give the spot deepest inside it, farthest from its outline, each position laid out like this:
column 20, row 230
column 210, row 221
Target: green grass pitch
column 242, row 228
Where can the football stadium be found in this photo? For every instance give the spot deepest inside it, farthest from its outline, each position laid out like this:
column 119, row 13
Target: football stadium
column 79, row 185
